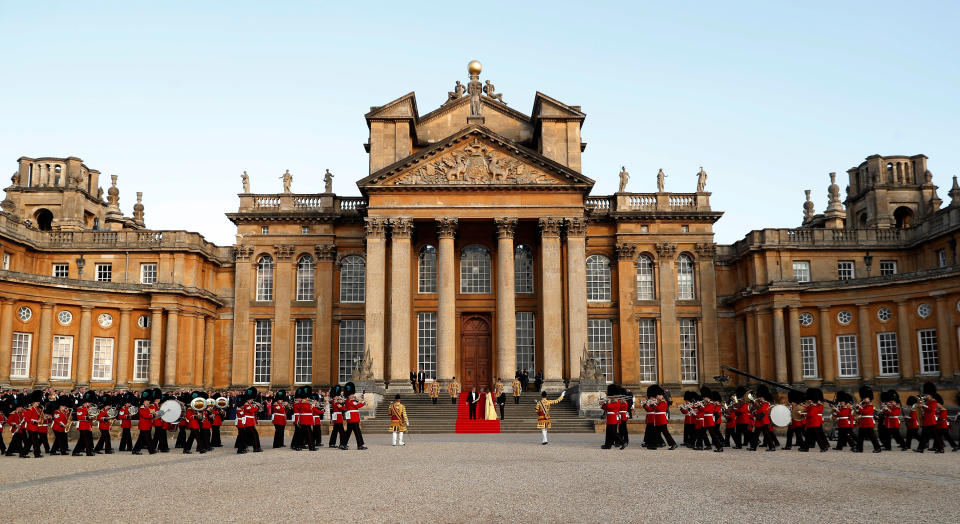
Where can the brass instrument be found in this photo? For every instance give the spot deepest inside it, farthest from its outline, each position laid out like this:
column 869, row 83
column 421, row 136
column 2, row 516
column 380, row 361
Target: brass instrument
column 92, row 413
column 198, row 404
column 222, row 402
column 918, row 408
column 132, row 410
column 209, row 403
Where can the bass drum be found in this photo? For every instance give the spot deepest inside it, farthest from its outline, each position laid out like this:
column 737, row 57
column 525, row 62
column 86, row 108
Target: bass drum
column 780, row 415
column 173, row 411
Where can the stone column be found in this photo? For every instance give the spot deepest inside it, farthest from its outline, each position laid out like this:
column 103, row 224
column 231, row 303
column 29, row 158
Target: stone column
column 796, row 356
column 577, row 293
column 170, row 351
column 156, row 339
column 740, row 346
column 707, row 284
column 123, row 349
column 208, row 353
column 753, row 355
column 905, row 341
column 401, row 231
column 669, row 340
column 375, row 289
column 199, row 337
column 6, row 340
column 322, row 342
column 281, row 368
column 186, row 322
column 83, row 346
column 828, row 357
column 44, row 343
column 779, row 345
column 446, row 299
column 867, row 344
column 945, row 343
column 244, row 269
column 506, row 303
column 625, row 296
column 552, row 300
column 765, row 342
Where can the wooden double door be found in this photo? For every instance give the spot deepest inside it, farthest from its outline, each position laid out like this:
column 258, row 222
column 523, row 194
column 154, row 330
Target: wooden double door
column 476, row 351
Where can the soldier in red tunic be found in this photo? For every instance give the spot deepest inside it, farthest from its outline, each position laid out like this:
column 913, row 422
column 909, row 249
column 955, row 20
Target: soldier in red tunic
column 61, row 424
column 352, row 415
column 744, row 434
column 843, row 419
column 611, row 411
column 144, row 424
column 337, row 403
column 866, row 422
column 216, row 421
column 316, row 409
column 32, row 415
column 689, row 417
column 761, row 414
column 278, row 415
column 795, row 430
column 660, row 421
column 711, row 420
column 103, row 424
column 943, row 424
column 302, row 421
column 126, row 423
column 890, row 419
column 929, row 420
column 84, row 426
column 813, row 421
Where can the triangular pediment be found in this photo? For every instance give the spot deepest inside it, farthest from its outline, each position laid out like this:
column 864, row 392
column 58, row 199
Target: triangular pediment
column 547, row 107
column 476, row 157
column 403, row 107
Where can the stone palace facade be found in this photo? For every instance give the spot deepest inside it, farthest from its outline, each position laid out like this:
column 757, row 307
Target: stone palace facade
column 476, row 249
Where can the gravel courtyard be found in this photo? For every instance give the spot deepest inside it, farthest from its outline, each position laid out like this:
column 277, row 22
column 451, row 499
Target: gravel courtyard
column 485, row 478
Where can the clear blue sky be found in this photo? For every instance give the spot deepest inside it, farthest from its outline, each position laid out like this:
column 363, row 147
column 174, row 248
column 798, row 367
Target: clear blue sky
column 177, row 98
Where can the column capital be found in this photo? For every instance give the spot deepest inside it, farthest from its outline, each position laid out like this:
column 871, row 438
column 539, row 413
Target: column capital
column 401, row 227
column 576, row 226
column 823, row 309
column 86, row 307
column 375, row 227
column 325, row 252
column 627, row 252
column 283, row 251
column 242, row 253
column 506, row 226
column 126, row 309
column 550, row 227
column 705, row 250
column 48, row 305
column 173, row 310
column 7, row 300
column 665, row 249
column 447, row 227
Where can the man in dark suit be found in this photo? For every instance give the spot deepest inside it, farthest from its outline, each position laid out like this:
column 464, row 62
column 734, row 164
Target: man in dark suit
column 421, row 379
column 525, row 379
column 501, row 400
column 413, row 381
column 472, row 400
column 538, row 381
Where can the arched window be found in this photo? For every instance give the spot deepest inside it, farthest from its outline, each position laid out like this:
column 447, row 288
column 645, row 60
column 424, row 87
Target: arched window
column 353, row 275
column 685, row 278
column 427, row 269
column 475, row 270
column 598, row 278
column 645, row 289
column 305, row 278
column 44, row 220
column 903, row 216
column 265, row 278
column 523, row 269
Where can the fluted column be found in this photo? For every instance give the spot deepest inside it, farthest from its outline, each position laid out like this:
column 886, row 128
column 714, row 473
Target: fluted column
column 170, row 351
column 446, row 299
column 401, row 231
column 375, row 289
column 506, row 303
column 6, row 339
column 208, row 354
column 44, row 343
column 796, row 357
column 779, row 345
column 83, row 346
column 123, row 349
column 324, row 372
column 577, row 293
column 867, row 343
column 156, row 339
column 552, row 300
column 945, row 343
column 828, row 356
column 905, row 341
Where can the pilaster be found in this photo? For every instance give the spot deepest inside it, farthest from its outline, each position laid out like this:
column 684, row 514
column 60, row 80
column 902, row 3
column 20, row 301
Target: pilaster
column 506, row 303
column 375, row 302
column 401, row 231
column 576, row 293
column 446, row 299
column 83, row 346
column 552, row 300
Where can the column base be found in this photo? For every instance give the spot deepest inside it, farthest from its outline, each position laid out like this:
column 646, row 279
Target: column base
column 555, row 385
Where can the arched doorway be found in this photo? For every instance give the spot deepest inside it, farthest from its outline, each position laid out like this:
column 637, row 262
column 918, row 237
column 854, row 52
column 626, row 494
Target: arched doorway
column 44, row 219
column 903, row 216
column 475, row 351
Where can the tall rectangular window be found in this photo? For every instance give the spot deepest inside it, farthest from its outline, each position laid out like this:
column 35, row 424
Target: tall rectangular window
column 941, row 258
column 351, row 347
column 61, row 270
column 887, row 351
column 102, row 358
column 427, row 270
column 598, row 278
column 645, row 287
column 104, row 272
column 801, row 270
column 847, row 355
column 303, row 353
column 6, row 261
column 808, row 357
column 262, row 345
column 688, row 350
column 148, row 273
column 61, row 358
column 427, row 343
column 888, row 267
column 647, row 346
column 600, row 344
column 141, row 360
column 845, row 270
column 526, row 342
column 929, row 359
column 20, row 355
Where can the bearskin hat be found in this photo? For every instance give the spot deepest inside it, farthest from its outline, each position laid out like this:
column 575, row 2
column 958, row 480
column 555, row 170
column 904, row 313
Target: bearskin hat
column 866, row 393
column 250, row 394
column 90, row 397
column 281, row 395
column 911, row 400
column 156, row 394
column 764, row 392
column 36, row 396
column 337, row 390
column 715, row 396
column 885, row 396
column 740, row 392
column 653, row 390
column 894, row 396
column 349, row 389
column 612, row 389
column 814, row 394
column 938, row 398
column 688, row 395
column 929, row 388
column 843, row 396
column 706, row 392
column 795, row 396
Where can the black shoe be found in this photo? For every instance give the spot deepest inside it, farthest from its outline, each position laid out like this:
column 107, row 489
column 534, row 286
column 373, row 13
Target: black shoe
column 91, row 454
column 786, row 448
column 673, row 447
column 241, row 451
column 544, row 443
column 202, row 451
column 718, row 450
column 109, row 452
column 623, row 446
column 136, row 453
column 75, row 454
column 361, row 448
column 876, row 450
column 343, row 448
column 803, row 450
column 154, row 452
column 938, row 451
column 771, row 449
column 604, row 447
column 164, row 451
column 187, row 452
column 824, row 450
column 258, row 451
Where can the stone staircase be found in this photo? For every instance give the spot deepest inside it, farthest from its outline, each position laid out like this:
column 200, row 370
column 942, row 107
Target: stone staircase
column 425, row 417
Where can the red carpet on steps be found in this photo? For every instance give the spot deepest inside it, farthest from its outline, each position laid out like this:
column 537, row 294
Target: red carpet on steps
column 465, row 425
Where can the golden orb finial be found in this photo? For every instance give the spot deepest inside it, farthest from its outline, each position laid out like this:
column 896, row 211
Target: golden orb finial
column 474, row 67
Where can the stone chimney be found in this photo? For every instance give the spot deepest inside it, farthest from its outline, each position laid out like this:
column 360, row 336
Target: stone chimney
column 835, row 215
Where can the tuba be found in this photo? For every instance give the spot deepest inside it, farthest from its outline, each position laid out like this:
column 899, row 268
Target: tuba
column 222, row 402
column 209, row 403
column 198, row 404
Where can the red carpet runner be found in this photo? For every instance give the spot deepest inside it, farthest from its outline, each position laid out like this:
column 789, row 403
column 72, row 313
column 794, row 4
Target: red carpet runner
column 465, row 425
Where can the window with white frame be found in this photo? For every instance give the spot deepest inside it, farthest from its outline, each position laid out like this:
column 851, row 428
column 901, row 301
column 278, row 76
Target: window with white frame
column 262, row 345
column 104, row 272
column 801, row 270
column 304, row 230
column 148, row 273
column 526, row 341
column 688, row 350
column 427, row 270
column 61, row 270
column 6, row 261
column 645, row 286
column 685, row 278
column 808, row 357
column 305, row 278
column 265, row 278
column 20, row 355
column 350, row 347
column 141, row 360
column 102, row 358
column 475, row 270
column 61, row 359
column 303, row 352
column 887, row 351
column 647, row 346
column 941, row 258
column 353, row 278
column 264, row 230
column 523, row 269
column 929, row 359
column 427, row 343
column 888, row 267
column 845, row 270
column 598, row 278
column 847, row 355
column 600, row 345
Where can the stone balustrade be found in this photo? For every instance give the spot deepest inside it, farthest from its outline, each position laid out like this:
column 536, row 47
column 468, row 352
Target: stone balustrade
column 319, row 202
column 648, row 203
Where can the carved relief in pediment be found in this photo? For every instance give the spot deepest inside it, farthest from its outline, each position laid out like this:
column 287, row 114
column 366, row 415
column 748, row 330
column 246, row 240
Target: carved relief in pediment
column 472, row 165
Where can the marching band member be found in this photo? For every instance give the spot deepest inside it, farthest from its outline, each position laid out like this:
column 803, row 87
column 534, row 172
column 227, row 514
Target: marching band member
column 843, row 415
column 866, row 423
column 398, row 419
column 302, row 422
column 650, row 418
column 890, row 419
column 929, row 421
column 744, row 435
column 182, row 424
column 126, row 440
column 688, row 418
column 611, row 409
column 730, row 426
column 762, row 404
column 337, row 402
column 215, row 423
column 943, row 424
column 661, row 421
column 18, row 428
column 543, row 413
column 711, row 420
column 626, row 413
column 159, row 426
column 352, row 415
column 279, row 415
column 795, row 430
column 144, row 425
column 61, row 423
column 316, row 431
column 453, row 389
column 103, row 424
column 193, row 424
column 250, row 435
column 813, row 421
column 32, row 416
column 913, row 425
column 82, row 414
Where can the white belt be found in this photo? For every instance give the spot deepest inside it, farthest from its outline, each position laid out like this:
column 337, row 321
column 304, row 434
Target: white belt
column 659, row 413
column 611, row 412
column 353, row 411
column 842, row 418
